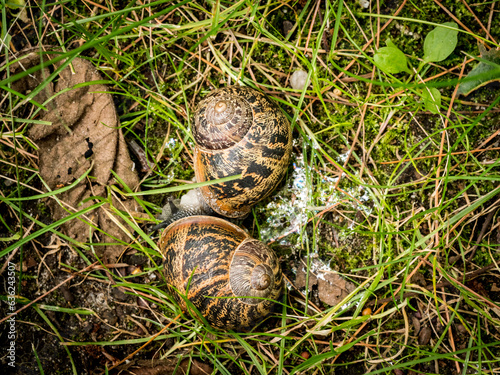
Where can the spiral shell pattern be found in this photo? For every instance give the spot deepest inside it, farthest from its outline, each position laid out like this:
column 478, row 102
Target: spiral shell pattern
column 211, row 261
column 222, row 121
column 239, row 130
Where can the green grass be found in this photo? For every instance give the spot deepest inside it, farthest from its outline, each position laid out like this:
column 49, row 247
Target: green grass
column 385, row 192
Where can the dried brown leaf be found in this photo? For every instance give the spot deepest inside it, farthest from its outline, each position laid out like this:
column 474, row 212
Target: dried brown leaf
column 425, row 336
column 85, row 131
column 416, row 324
column 332, row 288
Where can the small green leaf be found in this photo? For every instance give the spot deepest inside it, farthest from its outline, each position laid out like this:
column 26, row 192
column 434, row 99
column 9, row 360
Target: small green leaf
column 485, row 72
column 15, row 237
column 440, row 42
column 15, row 3
column 390, row 43
column 390, row 59
column 432, row 99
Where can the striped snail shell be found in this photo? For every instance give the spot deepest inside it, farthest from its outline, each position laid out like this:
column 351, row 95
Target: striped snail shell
column 231, row 278
column 239, row 130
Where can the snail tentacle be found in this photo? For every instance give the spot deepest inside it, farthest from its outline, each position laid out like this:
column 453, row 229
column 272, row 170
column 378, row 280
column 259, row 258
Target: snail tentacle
column 192, row 203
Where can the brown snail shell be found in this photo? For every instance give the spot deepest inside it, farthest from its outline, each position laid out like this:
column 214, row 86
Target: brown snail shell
column 231, row 278
column 239, row 130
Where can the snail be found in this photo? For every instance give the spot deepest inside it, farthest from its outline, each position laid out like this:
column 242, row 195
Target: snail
column 237, row 130
column 231, row 278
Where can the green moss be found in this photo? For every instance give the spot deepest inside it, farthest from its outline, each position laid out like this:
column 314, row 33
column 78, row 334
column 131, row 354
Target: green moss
column 355, row 252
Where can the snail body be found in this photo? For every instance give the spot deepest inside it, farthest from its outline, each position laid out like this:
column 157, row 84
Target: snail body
column 231, row 278
column 237, row 130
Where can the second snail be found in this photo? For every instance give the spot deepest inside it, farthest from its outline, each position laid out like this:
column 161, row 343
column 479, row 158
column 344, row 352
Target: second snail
column 231, row 279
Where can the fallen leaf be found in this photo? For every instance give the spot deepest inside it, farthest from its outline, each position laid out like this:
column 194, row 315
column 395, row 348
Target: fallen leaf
column 416, row 324
column 485, row 72
column 432, row 99
column 332, row 288
column 440, row 42
column 391, row 59
column 424, row 336
column 301, row 279
column 85, row 132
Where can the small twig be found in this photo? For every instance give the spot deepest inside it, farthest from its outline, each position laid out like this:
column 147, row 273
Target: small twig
column 485, row 227
column 11, row 255
column 486, row 30
column 457, row 21
column 443, row 284
column 490, row 18
column 450, row 332
column 368, row 44
column 440, row 155
column 479, row 238
column 146, row 344
column 88, row 268
column 324, row 40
